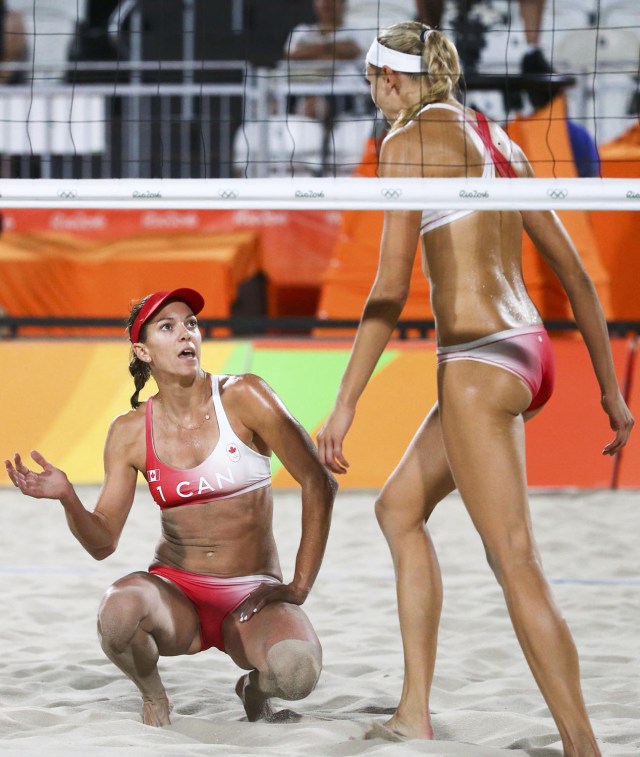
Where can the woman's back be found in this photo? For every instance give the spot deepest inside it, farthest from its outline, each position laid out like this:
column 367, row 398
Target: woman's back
column 472, row 258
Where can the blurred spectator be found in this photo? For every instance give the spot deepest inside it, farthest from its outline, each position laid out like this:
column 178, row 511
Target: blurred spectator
column 327, row 39
column 369, row 16
column 533, row 61
column 50, row 26
column 584, row 150
column 471, row 34
column 13, row 44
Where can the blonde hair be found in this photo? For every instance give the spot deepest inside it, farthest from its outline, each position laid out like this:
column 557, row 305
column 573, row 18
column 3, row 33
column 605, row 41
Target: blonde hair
column 440, row 59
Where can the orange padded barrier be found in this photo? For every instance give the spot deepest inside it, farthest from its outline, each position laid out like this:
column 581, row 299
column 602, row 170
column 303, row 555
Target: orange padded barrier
column 294, row 247
column 544, row 137
column 618, row 232
column 66, row 393
column 56, row 274
column 354, row 262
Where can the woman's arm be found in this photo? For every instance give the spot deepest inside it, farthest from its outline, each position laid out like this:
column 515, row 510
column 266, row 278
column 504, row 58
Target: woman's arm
column 398, row 246
column 379, row 318
column 98, row 531
column 554, row 244
column 257, row 406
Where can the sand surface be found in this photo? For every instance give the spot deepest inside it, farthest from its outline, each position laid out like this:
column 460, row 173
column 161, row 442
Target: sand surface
column 59, row 694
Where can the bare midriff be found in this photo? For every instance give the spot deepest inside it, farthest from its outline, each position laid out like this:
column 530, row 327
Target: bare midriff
column 226, row 538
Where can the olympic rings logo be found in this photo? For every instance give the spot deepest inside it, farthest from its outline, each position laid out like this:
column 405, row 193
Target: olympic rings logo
column 67, row 194
column 391, row 194
column 558, row 194
column 228, row 194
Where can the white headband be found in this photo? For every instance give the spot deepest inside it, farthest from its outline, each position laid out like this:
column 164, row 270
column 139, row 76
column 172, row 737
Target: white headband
column 380, row 56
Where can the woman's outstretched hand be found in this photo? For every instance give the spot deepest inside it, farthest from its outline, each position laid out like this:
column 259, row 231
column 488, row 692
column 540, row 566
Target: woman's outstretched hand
column 331, row 437
column 49, row 483
column 620, row 420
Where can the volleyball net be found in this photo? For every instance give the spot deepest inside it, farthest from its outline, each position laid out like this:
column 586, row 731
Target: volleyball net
column 189, row 89
column 146, row 147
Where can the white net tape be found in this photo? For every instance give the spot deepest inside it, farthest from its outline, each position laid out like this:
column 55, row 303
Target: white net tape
column 324, row 194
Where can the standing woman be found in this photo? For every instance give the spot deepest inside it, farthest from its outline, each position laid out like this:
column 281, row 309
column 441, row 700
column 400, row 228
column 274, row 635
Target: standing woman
column 495, row 371
column 204, row 444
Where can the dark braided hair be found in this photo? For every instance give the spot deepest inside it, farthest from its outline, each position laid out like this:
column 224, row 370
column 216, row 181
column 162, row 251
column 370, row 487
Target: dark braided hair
column 140, row 370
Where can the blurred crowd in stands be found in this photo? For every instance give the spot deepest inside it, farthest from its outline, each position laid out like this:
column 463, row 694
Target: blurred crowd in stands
column 325, row 41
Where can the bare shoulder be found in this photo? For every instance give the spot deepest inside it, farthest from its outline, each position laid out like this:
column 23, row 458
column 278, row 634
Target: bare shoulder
column 127, row 430
column 253, row 407
column 398, row 153
column 511, row 150
column 247, row 390
column 242, row 384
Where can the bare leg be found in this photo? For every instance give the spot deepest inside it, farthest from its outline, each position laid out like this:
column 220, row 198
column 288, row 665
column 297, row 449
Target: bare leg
column 407, row 500
column 430, row 11
column 141, row 617
column 531, row 12
column 483, row 431
column 280, row 648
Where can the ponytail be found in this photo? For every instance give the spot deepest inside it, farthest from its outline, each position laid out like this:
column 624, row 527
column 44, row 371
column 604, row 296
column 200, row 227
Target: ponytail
column 139, row 370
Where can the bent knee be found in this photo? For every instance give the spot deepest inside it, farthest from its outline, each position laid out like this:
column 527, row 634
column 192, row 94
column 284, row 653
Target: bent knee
column 294, row 667
column 123, row 606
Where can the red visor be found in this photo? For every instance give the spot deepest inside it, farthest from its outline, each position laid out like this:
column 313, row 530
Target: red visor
column 155, row 301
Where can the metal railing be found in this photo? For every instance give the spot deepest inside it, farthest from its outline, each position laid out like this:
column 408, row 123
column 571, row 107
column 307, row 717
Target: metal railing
column 140, row 126
column 205, row 119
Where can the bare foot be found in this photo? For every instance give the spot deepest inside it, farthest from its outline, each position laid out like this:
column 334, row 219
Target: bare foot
column 256, row 704
column 401, row 729
column 155, row 712
column 380, row 731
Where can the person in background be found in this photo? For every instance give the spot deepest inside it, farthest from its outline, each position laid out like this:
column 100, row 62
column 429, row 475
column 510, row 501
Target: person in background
column 531, row 11
column 325, row 40
column 204, row 444
column 13, row 44
column 495, row 372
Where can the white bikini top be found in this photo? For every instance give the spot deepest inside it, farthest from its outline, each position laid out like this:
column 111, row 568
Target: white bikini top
column 432, row 219
column 232, row 468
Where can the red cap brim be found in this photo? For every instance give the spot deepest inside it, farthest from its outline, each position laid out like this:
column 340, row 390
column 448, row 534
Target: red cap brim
column 155, row 301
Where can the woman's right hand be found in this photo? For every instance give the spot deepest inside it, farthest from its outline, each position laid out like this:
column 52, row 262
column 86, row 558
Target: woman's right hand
column 49, row 483
column 331, row 437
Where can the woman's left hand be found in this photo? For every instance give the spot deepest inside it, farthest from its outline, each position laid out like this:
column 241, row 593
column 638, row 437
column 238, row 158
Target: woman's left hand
column 265, row 595
column 620, row 420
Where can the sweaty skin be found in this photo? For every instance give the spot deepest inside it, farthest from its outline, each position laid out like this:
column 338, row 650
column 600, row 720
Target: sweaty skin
column 144, row 616
column 473, row 438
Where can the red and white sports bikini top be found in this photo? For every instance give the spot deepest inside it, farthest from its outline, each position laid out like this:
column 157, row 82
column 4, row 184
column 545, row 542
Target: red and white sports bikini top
column 493, row 159
column 232, row 468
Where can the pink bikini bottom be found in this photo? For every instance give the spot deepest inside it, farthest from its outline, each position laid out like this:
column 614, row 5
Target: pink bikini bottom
column 524, row 351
